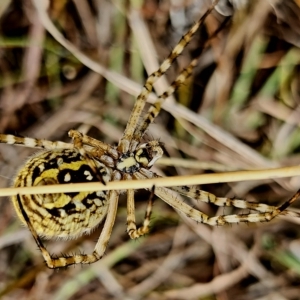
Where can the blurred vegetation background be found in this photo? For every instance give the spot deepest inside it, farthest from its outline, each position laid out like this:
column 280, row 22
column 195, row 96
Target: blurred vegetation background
column 239, row 110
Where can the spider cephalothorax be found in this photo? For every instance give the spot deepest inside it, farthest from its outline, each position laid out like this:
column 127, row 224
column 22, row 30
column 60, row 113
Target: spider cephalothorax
column 147, row 154
column 144, row 156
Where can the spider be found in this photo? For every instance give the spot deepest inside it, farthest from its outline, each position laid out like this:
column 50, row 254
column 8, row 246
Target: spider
column 68, row 215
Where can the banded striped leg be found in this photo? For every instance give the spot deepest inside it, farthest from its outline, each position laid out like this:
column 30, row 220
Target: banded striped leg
column 33, row 143
column 64, row 261
column 101, row 148
column 132, row 230
column 169, row 196
column 221, row 220
column 207, row 197
column 141, row 99
column 156, row 107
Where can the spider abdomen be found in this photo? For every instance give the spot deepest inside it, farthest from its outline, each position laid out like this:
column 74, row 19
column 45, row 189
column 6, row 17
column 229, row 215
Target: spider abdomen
column 64, row 214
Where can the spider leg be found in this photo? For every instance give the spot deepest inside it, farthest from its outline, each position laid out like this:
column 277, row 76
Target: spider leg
column 132, row 230
column 207, row 197
column 64, row 261
column 102, row 148
column 156, row 107
column 141, row 99
column 194, row 193
column 197, row 194
column 33, row 143
column 221, row 220
column 108, row 225
column 170, row 197
column 47, row 257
